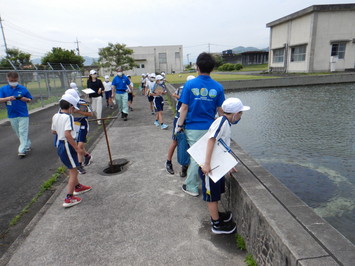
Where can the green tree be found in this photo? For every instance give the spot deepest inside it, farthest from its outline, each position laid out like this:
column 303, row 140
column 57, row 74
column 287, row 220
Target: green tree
column 60, row 55
column 115, row 55
column 17, row 57
column 219, row 60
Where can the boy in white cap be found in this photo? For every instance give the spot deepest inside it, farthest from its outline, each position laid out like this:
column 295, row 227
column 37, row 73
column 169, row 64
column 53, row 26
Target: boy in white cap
column 108, row 91
column 220, row 129
column 67, row 149
column 81, row 125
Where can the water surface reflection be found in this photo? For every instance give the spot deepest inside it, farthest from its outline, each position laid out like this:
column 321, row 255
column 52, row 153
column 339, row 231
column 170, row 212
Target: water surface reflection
column 305, row 137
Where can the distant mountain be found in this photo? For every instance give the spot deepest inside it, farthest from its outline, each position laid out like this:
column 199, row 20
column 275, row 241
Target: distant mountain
column 242, row 49
column 88, row 60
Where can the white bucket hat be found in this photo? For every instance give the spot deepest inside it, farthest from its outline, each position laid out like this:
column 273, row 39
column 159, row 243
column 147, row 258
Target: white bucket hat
column 70, row 99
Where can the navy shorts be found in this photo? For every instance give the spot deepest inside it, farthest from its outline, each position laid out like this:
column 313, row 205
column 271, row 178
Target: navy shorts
column 130, row 97
column 67, row 154
column 150, row 98
column 108, row 94
column 158, row 103
column 215, row 189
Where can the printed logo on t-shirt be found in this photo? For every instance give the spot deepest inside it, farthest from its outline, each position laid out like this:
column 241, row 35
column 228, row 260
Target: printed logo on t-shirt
column 213, row 93
column 195, row 91
column 204, row 92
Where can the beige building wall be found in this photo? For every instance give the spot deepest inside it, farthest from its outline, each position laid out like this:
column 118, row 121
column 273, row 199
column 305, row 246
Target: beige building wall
column 332, row 27
column 168, row 59
column 316, row 28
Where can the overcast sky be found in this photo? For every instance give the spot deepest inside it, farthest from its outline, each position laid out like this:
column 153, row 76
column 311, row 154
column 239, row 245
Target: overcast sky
column 35, row 26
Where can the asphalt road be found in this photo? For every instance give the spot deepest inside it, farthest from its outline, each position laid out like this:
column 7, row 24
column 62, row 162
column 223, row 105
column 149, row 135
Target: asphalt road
column 20, row 179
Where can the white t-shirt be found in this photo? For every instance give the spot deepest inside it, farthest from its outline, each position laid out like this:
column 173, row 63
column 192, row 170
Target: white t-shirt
column 224, row 132
column 62, row 122
column 107, row 85
column 149, row 85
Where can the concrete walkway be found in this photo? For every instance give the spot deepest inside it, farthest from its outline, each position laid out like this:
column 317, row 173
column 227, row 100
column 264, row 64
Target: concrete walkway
column 137, row 217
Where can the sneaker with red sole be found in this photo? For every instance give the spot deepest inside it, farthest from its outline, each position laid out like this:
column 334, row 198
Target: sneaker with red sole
column 80, row 189
column 71, row 201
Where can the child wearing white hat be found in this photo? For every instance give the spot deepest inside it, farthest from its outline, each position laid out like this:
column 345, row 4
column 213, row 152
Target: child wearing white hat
column 220, row 129
column 67, row 148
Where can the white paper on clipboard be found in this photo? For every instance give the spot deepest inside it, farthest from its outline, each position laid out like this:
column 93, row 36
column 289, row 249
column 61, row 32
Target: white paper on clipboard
column 221, row 162
column 88, row 91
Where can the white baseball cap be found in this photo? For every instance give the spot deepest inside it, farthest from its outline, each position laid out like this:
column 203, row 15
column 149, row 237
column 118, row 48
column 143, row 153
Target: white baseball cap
column 234, row 105
column 152, row 75
column 70, row 99
column 93, row 72
column 107, row 77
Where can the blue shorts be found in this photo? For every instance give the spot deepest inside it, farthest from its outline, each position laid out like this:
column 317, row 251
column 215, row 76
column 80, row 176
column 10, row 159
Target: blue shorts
column 150, row 98
column 158, row 103
column 173, row 136
column 216, row 189
column 108, row 94
column 67, row 154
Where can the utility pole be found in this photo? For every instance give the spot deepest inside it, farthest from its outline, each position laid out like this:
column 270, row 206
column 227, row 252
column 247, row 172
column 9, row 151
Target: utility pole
column 3, row 35
column 77, row 46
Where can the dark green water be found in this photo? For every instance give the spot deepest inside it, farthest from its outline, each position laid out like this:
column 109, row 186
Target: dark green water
column 305, row 136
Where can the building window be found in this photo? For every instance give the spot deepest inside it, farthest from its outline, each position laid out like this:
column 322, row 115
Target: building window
column 177, row 55
column 278, row 55
column 162, row 58
column 298, row 53
column 142, row 66
column 338, row 49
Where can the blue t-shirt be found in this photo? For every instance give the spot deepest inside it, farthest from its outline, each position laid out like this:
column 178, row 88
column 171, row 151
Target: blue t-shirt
column 121, row 84
column 202, row 95
column 16, row 108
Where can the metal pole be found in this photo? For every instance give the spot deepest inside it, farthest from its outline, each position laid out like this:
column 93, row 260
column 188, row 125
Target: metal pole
column 107, row 142
column 3, row 35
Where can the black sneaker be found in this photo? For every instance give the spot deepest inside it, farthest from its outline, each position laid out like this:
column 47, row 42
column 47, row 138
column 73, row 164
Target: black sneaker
column 87, row 160
column 81, row 170
column 183, row 172
column 224, row 216
column 223, row 228
column 169, row 168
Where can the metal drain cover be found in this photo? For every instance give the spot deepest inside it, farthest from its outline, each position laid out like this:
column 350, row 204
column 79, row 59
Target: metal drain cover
column 117, row 166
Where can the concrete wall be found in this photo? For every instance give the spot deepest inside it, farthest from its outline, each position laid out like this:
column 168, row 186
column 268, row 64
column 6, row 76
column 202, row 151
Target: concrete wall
column 278, row 227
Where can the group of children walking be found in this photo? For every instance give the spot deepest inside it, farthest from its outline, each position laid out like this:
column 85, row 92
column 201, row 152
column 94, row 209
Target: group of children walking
column 71, row 148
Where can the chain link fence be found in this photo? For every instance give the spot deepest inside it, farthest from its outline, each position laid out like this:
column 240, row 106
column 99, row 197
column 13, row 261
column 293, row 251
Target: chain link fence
column 47, row 84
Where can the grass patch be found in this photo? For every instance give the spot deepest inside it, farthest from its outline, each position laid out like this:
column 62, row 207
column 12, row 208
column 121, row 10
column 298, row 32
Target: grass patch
column 240, row 242
column 260, row 67
column 44, row 187
column 249, row 260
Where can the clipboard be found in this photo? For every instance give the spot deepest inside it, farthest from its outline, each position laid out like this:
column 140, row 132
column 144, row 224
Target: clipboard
column 88, row 91
column 221, row 161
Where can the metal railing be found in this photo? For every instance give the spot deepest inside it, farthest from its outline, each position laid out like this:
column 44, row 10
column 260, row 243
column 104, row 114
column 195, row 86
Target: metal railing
column 45, row 85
